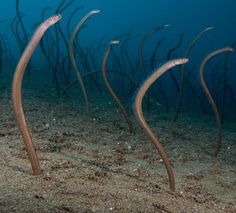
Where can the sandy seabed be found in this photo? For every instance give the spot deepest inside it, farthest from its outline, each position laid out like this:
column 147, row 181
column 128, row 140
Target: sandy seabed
column 91, row 163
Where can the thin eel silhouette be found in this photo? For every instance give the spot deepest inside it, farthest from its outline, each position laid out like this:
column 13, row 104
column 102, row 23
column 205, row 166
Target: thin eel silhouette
column 140, row 117
column 72, row 56
column 183, row 71
column 17, row 90
column 104, row 75
column 209, row 96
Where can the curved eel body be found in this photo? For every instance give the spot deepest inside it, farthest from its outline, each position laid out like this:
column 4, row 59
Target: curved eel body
column 17, row 90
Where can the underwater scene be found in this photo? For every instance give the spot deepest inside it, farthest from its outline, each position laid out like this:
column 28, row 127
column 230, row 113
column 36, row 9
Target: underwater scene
column 118, row 106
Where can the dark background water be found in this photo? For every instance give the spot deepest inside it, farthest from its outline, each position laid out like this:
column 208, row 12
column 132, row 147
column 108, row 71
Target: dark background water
column 138, row 18
column 141, row 16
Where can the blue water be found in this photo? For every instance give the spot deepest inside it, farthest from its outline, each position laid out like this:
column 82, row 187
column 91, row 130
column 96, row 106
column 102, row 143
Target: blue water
column 136, row 18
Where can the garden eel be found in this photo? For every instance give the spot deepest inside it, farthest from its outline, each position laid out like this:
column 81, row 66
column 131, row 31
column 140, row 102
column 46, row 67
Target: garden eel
column 17, row 90
column 209, row 96
column 72, row 57
column 104, row 64
column 141, row 48
column 140, row 117
column 182, row 71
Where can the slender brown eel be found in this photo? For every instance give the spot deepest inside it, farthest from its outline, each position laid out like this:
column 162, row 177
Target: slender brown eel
column 140, row 117
column 72, row 56
column 17, row 90
column 104, row 75
column 183, row 70
column 208, row 94
column 144, row 40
